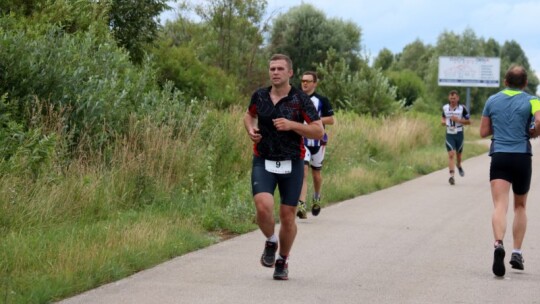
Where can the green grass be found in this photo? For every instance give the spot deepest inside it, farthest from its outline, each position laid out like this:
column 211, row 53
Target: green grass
column 161, row 192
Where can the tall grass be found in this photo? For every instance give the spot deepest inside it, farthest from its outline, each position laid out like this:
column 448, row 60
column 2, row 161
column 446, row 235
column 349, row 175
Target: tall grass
column 168, row 188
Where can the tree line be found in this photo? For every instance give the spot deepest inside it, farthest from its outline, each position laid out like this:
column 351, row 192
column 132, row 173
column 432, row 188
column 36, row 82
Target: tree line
column 94, row 65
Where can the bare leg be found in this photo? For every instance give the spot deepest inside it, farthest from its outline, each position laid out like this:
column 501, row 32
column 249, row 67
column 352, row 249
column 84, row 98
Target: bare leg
column 451, row 165
column 500, row 193
column 317, row 181
column 287, row 232
column 520, row 220
column 303, row 193
column 264, row 203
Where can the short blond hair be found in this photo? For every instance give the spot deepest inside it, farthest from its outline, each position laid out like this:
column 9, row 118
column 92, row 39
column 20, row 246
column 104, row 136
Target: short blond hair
column 282, row 57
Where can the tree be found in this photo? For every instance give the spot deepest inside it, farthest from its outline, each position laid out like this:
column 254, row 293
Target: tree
column 305, row 34
column 409, row 86
column 366, row 91
column 466, row 44
column 23, row 7
column 384, row 59
column 415, row 57
column 134, row 24
column 180, row 65
column 229, row 36
column 235, row 23
column 492, row 48
column 512, row 53
column 451, row 44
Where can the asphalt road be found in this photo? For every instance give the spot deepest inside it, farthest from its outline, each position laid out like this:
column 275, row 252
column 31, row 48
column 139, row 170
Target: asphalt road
column 422, row 241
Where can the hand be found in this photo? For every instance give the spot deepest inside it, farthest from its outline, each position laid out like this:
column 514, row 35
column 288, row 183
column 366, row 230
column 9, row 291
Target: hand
column 532, row 133
column 255, row 135
column 282, row 124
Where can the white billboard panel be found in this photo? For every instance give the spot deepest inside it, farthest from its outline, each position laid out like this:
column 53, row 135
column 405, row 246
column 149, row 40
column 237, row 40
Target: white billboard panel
column 469, row 71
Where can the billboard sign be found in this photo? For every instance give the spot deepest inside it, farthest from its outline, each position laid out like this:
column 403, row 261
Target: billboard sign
column 469, row 71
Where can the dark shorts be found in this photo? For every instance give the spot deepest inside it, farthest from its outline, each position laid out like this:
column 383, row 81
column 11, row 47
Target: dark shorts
column 454, row 142
column 289, row 185
column 515, row 168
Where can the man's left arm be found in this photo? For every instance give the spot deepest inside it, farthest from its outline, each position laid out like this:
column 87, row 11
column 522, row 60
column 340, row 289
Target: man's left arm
column 535, row 111
column 327, row 113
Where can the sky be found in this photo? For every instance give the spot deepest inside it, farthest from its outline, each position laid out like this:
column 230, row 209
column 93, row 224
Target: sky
column 393, row 24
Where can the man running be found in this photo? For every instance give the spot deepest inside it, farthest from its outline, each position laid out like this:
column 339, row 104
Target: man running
column 274, row 121
column 507, row 116
column 454, row 116
column 315, row 149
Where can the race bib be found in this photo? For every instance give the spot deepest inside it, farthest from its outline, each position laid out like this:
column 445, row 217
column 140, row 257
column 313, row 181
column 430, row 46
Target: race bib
column 451, row 130
column 278, row 166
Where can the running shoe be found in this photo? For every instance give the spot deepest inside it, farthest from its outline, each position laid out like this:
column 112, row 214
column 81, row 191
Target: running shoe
column 451, row 180
column 268, row 257
column 498, row 261
column 281, row 272
column 315, row 206
column 461, row 172
column 301, row 212
column 517, row 261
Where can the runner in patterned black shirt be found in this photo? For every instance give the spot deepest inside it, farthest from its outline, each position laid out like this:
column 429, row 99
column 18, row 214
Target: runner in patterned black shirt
column 274, row 121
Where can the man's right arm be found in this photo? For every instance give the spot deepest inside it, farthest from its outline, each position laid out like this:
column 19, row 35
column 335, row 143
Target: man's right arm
column 251, row 127
column 485, row 127
column 443, row 118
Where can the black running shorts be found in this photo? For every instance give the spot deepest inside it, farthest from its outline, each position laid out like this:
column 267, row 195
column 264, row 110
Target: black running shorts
column 289, row 185
column 516, row 168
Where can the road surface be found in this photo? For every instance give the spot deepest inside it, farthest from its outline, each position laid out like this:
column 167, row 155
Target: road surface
column 422, row 241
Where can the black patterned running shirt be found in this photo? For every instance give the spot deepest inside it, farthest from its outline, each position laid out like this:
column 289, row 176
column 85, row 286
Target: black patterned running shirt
column 281, row 145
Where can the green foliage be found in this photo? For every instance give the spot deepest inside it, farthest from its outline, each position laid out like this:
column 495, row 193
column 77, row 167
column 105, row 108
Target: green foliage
column 384, row 60
column 237, row 27
column 366, row 91
column 27, row 153
column 422, row 105
column 423, row 61
column 180, row 65
column 415, row 57
column 96, row 80
column 512, row 53
column 409, row 85
column 452, row 44
column 229, row 37
column 22, row 151
column 134, row 24
column 20, row 7
column 91, row 224
column 72, row 15
column 305, row 34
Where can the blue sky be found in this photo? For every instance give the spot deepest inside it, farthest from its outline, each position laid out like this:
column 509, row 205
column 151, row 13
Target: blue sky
column 393, row 24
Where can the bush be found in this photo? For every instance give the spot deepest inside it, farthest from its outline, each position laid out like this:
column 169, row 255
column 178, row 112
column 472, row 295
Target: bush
column 410, row 86
column 85, row 72
column 366, row 91
column 197, row 80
